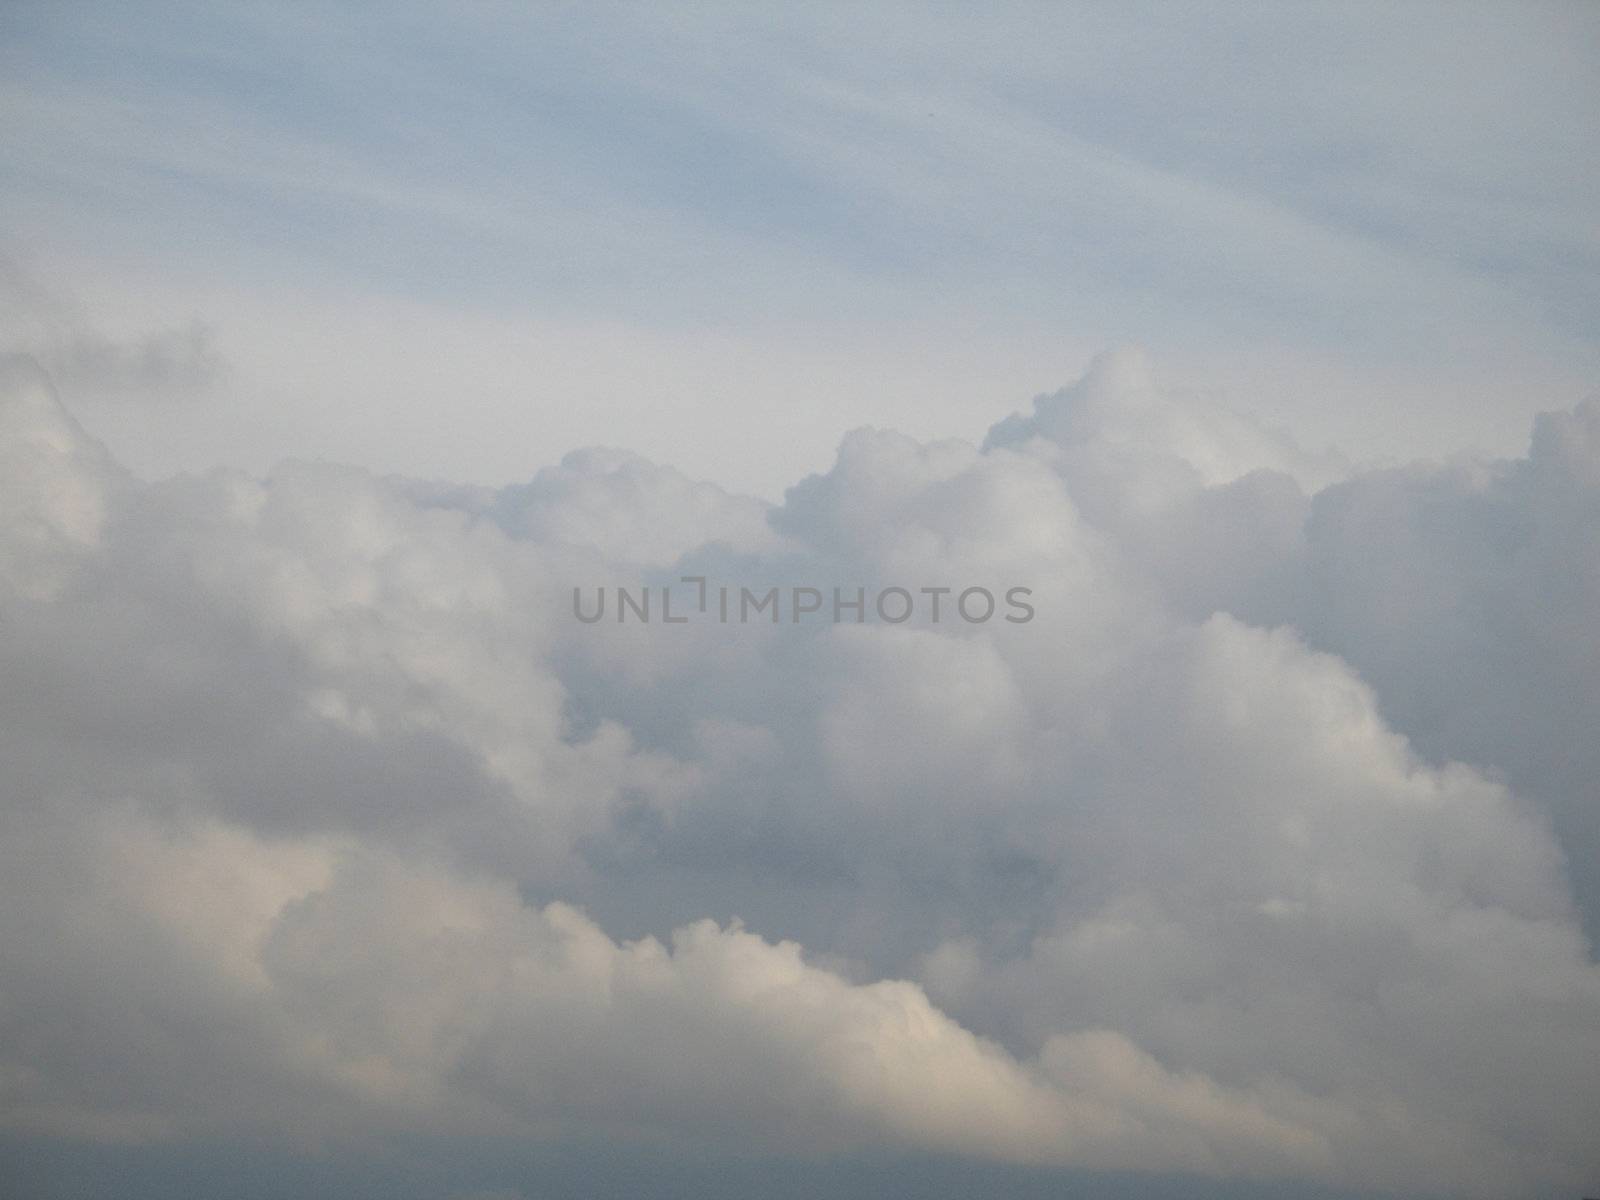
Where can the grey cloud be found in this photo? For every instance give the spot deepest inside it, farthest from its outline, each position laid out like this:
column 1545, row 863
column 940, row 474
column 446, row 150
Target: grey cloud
column 323, row 818
column 626, row 507
column 163, row 363
column 1468, row 594
column 88, row 364
column 1462, row 590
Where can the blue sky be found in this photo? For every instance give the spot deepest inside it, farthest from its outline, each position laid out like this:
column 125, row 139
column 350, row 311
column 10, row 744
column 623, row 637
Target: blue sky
column 718, row 235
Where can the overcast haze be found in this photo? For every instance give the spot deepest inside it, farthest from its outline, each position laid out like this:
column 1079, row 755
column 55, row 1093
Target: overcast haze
column 337, row 348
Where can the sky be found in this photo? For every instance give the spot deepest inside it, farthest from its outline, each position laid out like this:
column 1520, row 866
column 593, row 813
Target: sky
column 455, row 243
column 1245, row 358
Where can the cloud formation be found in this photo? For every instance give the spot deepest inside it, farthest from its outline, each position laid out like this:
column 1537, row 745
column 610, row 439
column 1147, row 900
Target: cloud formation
column 86, row 362
column 1262, row 852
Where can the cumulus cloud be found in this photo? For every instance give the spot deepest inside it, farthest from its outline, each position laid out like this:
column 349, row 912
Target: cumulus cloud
column 1252, row 855
column 625, row 507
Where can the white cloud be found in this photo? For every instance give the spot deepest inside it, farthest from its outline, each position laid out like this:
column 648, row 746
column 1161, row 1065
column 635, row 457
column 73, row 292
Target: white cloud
column 323, row 818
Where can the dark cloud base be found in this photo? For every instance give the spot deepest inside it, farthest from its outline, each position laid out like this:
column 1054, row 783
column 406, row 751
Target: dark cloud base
column 41, row 1169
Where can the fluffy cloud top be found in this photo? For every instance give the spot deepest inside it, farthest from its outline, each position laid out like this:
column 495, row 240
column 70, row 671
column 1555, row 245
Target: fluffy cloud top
column 1264, row 851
